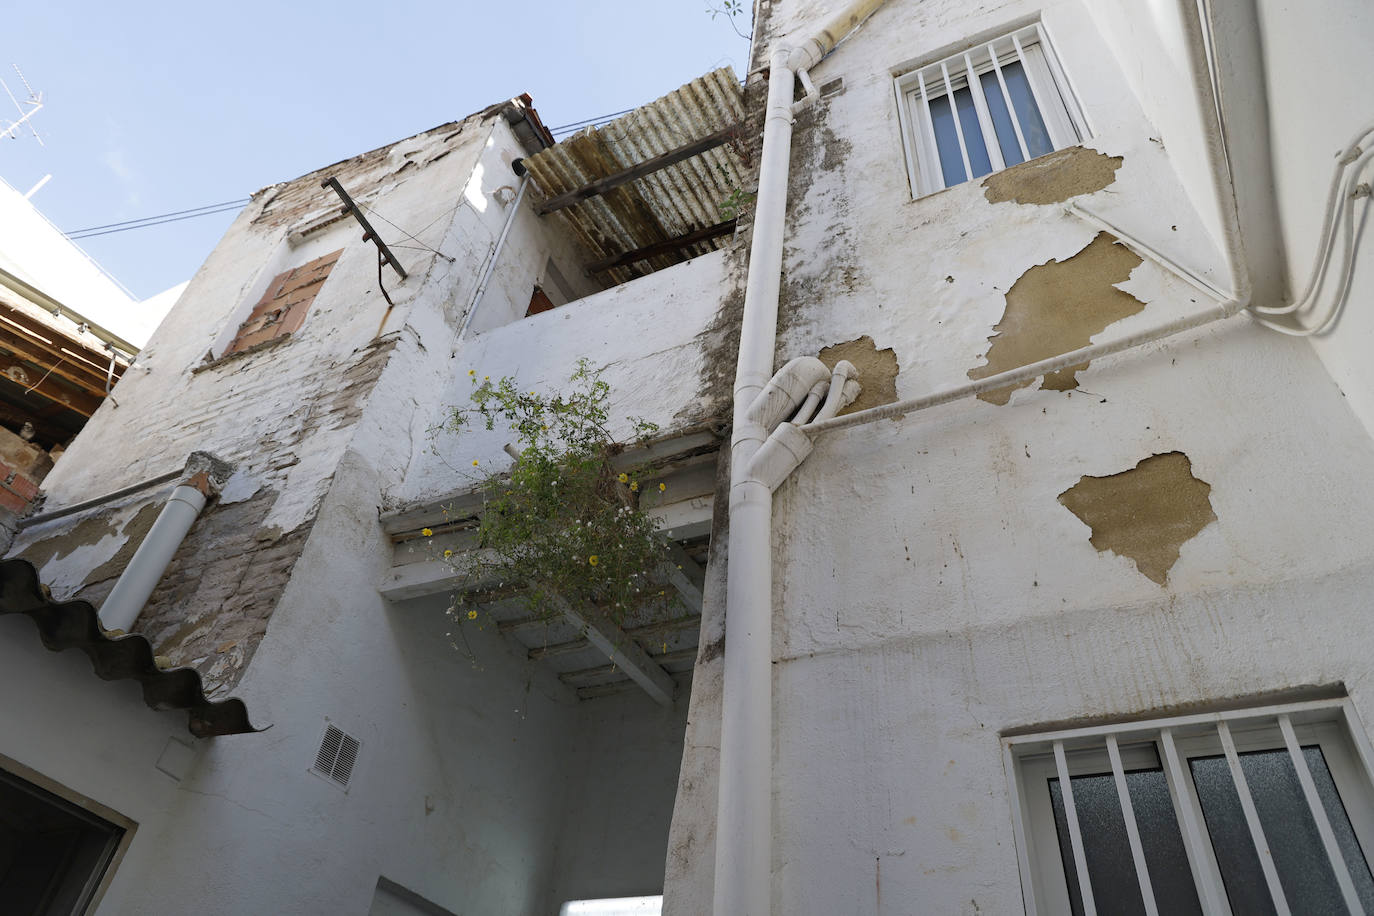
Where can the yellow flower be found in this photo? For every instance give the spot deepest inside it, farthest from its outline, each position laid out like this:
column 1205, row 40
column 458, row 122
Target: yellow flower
column 447, row 554
column 472, row 372
column 427, row 532
column 635, row 485
column 593, row 559
column 486, row 378
column 662, row 487
column 624, row 478
column 475, row 462
column 472, row 614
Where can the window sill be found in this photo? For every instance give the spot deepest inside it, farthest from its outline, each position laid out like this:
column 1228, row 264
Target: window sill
column 240, row 354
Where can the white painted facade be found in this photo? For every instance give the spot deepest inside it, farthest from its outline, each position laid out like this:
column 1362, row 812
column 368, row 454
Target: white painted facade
column 931, row 593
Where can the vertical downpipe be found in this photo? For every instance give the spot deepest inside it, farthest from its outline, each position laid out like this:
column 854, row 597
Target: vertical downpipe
column 744, row 815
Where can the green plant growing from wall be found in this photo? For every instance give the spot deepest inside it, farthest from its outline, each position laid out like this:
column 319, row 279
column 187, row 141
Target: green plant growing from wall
column 563, row 524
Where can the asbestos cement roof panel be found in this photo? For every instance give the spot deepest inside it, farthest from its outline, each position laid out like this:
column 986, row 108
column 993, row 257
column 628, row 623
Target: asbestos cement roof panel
column 665, row 204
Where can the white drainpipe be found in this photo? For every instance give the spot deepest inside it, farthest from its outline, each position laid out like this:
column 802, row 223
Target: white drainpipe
column 204, row 476
column 744, row 815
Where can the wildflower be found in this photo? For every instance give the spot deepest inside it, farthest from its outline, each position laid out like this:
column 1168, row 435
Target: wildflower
column 486, row 378
column 662, row 487
column 593, row 559
column 447, row 554
column 475, row 462
column 624, row 478
column 472, row 372
column 472, row 614
column 427, row 532
column 634, row 486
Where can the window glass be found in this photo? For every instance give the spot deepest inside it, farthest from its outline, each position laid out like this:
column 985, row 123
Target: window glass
column 1033, row 128
column 1111, row 868
column 1001, row 120
column 1306, row 876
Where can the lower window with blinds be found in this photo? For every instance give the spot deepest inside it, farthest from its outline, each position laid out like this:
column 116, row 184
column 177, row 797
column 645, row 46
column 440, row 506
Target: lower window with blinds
column 1267, row 810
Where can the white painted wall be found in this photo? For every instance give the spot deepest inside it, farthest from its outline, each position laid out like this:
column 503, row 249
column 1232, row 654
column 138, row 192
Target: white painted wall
column 930, row 591
column 96, row 739
column 1316, row 72
column 622, row 759
column 649, row 335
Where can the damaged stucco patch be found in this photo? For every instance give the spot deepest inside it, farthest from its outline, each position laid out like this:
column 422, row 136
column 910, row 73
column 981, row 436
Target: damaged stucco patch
column 1053, row 178
column 133, row 531
column 1056, row 307
column 877, row 371
column 1146, row 513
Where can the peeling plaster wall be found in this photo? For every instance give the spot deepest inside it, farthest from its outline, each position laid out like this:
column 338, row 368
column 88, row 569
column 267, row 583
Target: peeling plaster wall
column 470, row 777
column 930, row 589
column 282, row 413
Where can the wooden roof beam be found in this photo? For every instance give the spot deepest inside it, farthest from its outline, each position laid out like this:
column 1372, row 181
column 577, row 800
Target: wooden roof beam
column 658, row 248
column 638, row 170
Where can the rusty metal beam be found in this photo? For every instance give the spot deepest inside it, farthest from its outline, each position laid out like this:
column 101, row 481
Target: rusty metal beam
column 369, row 234
column 638, row 170
column 658, row 248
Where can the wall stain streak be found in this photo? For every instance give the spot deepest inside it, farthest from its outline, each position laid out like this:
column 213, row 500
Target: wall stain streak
column 1053, row 178
column 1056, row 307
column 1146, row 513
column 877, row 371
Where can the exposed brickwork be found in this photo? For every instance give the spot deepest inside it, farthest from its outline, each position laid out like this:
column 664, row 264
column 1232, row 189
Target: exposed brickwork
column 211, row 609
column 282, row 308
column 213, row 605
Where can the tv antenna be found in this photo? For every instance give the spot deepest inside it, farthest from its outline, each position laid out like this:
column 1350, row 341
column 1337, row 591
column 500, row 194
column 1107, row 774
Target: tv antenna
column 29, row 107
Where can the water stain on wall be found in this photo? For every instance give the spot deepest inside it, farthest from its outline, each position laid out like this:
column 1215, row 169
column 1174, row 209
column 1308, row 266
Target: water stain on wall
column 1146, row 513
column 877, row 371
column 1057, row 307
column 1053, row 178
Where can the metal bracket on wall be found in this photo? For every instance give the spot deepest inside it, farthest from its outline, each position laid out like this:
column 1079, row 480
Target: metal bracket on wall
column 369, row 234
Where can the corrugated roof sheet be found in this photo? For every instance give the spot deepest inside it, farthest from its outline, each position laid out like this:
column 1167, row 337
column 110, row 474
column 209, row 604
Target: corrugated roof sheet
column 668, row 203
column 75, row 625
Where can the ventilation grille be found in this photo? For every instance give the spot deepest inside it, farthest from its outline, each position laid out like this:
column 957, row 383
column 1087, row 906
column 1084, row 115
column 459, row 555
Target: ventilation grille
column 337, row 755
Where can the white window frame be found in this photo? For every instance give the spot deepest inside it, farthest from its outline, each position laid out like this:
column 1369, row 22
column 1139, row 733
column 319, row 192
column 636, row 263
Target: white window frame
column 1050, row 88
column 1170, row 743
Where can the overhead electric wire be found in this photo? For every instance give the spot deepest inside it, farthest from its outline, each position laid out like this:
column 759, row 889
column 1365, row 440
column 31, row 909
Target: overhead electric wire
column 126, row 222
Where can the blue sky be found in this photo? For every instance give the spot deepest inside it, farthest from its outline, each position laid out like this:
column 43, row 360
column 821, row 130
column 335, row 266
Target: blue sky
column 158, row 107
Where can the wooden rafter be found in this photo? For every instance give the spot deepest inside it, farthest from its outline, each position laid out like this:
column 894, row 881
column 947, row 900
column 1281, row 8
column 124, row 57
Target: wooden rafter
column 659, row 248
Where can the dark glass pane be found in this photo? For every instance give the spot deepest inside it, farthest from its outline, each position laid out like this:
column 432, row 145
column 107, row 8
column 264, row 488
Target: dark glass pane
column 947, row 140
column 1309, row 882
column 1033, row 127
column 1001, row 119
column 1160, row 837
column 973, row 133
column 1116, row 889
column 1355, row 859
column 1235, row 852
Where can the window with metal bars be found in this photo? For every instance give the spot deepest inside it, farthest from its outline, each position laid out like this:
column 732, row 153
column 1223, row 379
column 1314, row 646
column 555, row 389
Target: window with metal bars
column 979, row 111
column 1261, row 811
